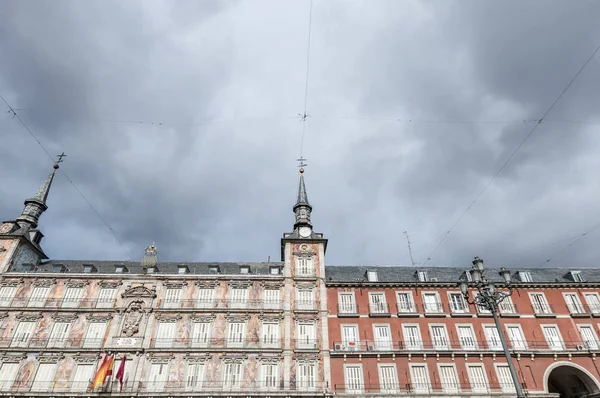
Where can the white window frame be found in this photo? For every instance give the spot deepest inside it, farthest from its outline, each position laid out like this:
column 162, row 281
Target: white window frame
column 7, row 295
column 551, row 345
column 453, row 309
column 418, row 344
column 308, row 302
column 516, row 344
column 165, row 334
column 9, row 371
column 372, row 276
column 378, row 306
column 201, row 334
column 238, row 297
column 477, row 388
column 270, row 334
column 354, row 386
column 45, row 372
column 306, row 376
column 444, row 341
column 271, row 298
column 59, row 334
column 232, row 381
column 539, row 308
column 455, row 387
column 506, row 306
column 106, row 300
column 493, row 342
column 576, row 275
column 23, row 333
column 509, row 385
column 236, row 335
column 305, row 266
column 424, row 388
column 349, row 343
column 525, row 276
column 205, row 297
column 382, row 344
column 172, row 297
column 387, row 386
column 593, row 345
column 422, row 276
column 473, row 336
column 574, row 307
column 87, row 376
column 269, row 376
column 72, row 297
column 430, row 308
column 348, row 307
column 157, row 381
column 594, row 307
column 39, row 299
column 409, row 307
column 194, row 375
column 310, row 341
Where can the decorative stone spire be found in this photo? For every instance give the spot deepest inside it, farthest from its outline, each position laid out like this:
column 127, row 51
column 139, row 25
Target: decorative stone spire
column 302, row 208
column 150, row 258
column 36, row 205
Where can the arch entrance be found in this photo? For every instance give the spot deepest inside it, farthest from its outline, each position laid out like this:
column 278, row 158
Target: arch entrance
column 572, row 382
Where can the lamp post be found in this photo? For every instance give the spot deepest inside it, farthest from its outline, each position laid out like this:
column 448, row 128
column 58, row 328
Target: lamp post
column 489, row 298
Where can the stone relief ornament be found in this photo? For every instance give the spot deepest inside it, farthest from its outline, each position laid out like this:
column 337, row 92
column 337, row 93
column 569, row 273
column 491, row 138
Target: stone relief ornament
column 139, row 291
column 133, row 317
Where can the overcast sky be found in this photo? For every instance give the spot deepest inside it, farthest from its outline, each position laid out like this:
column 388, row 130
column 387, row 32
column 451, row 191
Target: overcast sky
column 217, row 179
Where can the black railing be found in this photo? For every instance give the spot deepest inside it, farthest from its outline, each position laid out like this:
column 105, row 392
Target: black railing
column 348, row 309
column 543, row 309
column 433, row 308
column 222, row 304
column 406, row 308
column 425, row 387
column 308, row 305
column 379, row 309
column 264, row 343
column 31, row 302
column 508, row 308
column 17, row 342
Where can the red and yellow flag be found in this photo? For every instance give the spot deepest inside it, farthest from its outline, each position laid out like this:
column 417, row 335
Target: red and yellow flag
column 103, row 371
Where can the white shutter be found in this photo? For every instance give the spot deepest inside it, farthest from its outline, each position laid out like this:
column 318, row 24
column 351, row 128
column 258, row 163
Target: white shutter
column 377, row 303
column 405, row 302
column 588, row 337
column 420, row 381
column 7, row 294
column 106, row 298
column 383, row 337
column 83, row 375
column 439, row 337
column 271, row 298
column 204, row 298
column 347, row 303
column 388, row 379
column 305, row 336
column 270, row 335
column 516, row 337
column 95, row 334
column 573, row 303
column 269, row 375
column 477, row 379
column 505, row 378
column 233, row 376
column 467, row 339
column 307, row 379
column 38, row 297
column 354, row 379
column 44, row 377
column 306, row 300
column 412, row 339
column 457, row 303
column 59, row 334
column 492, row 337
column 9, row 373
column 304, row 266
column 172, row 298
column 72, row 297
column 195, row 376
column 552, row 337
column 350, row 337
column 239, row 298
column 593, row 301
column 165, row 334
column 23, row 334
column 448, row 378
column 431, row 303
column 539, row 303
column 235, row 334
column 200, row 334
column 157, row 376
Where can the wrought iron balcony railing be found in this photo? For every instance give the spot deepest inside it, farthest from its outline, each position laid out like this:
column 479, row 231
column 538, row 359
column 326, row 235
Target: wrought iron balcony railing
column 423, row 387
column 543, row 309
column 306, row 305
column 63, row 343
column 223, row 304
column 407, row 308
column 32, row 302
column 382, row 309
column 266, row 343
column 433, row 308
column 348, row 309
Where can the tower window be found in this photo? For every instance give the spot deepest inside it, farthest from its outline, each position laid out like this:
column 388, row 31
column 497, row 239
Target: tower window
column 372, row 276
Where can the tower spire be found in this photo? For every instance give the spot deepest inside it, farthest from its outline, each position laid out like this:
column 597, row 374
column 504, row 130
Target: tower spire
column 302, row 208
column 36, row 205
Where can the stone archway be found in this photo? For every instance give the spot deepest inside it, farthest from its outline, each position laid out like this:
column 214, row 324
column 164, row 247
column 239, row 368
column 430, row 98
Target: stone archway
column 571, row 381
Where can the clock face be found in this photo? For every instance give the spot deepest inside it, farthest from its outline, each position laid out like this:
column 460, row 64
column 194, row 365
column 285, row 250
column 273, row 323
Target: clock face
column 304, row 232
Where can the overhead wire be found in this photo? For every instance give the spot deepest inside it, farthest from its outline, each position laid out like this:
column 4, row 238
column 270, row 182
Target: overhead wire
column 512, row 155
column 16, row 115
column 306, row 79
column 569, row 245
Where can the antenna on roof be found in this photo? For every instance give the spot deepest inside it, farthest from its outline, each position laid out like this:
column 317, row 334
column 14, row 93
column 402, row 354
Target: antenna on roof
column 412, row 260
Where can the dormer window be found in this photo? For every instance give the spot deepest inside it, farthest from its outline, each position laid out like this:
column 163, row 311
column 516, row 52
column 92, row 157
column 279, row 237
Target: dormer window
column 183, row 269
column 89, row 268
column 27, row 267
column 422, row 275
column 57, row 268
column 468, row 277
column 213, row 269
column 244, row 269
column 121, row 269
column 34, row 236
column 576, row 276
column 372, row 276
column 274, row 270
column 525, row 276
column 152, row 270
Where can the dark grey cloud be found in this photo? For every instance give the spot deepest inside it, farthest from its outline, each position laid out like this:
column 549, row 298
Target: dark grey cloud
column 214, row 178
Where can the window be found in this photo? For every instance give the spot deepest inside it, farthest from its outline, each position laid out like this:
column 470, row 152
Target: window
column 183, row 269
column 269, row 376
column 307, row 376
column 477, row 378
column 59, row 334
column 239, row 297
column 271, row 298
column 157, row 376
column 304, row 266
column 593, row 302
column 89, row 268
column 372, row 276
column 270, row 334
column 468, row 276
column 23, row 334
column 506, row 306
column 72, row 297
column 576, row 276
column 588, row 337
column 7, row 294
column 305, row 299
column 353, row 379
column 350, row 339
column 83, row 375
column 347, row 303
column 553, row 337
column 233, row 376
column 573, row 303
column 377, row 304
column 213, row 269
column 457, row 303
column 94, row 336
column 431, row 302
column 274, row 270
column 106, row 298
column 151, row 270
column 482, row 309
column 525, row 276
column 38, row 297
column 420, row 378
column 388, row 379
column 195, row 376
column 539, row 303
column 492, row 337
column 467, row 337
column 505, row 378
column 405, row 302
column 8, row 370
column 172, row 298
column 516, row 337
column 383, row 337
column 305, row 336
column 121, row 269
column 412, row 337
column 448, row 378
column 201, row 334
column 204, row 297
column 244, row 270
column 165, row 334
column 235, row 334
column 44, row 377
column 422, row 275
column 439, row 337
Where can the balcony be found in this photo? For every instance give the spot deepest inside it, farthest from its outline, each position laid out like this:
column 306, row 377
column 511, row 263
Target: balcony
column 347, row 310
column 306, row 344
column 379, row 310
column 579, row 310
column 275, row 305
column 305, row 305
column 434, row 309
column 543, row 310
column 508, row 310
column 62, row 343
column 28, row 302
column 407, row 310
column 444, row 389
column 209, row 343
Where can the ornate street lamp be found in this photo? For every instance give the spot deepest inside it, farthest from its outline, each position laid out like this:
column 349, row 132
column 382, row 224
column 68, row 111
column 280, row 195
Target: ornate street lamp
column 489, row 298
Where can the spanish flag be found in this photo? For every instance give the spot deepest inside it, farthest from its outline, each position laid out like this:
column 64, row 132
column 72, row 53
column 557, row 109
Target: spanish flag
column 103, row 371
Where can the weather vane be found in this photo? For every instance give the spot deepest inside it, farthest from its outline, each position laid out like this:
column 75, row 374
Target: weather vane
column 60, row 157
column 301, row 163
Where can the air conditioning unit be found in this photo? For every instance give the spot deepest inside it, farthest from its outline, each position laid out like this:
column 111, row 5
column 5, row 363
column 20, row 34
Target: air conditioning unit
column 370, row 347
column 337, row 347
column 580, row 347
